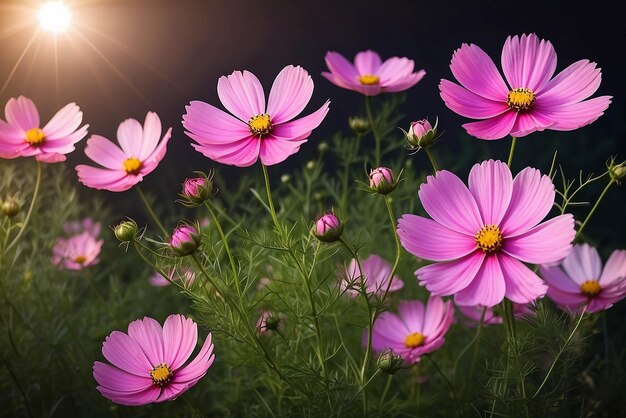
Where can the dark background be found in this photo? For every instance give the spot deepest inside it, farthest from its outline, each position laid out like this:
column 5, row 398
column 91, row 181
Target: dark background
column 123, row 58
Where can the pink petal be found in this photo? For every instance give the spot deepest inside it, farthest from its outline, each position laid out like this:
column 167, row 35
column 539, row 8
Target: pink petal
column 388, row 331
column 583, row 263
column 211, row 125
column 301, row 128
column 149, row 335
column 403, row 83
column 487, row 288
column 242, row 153
column 155, row 157
column 394, row 70
column 346, row 84
column 566, row 299
column 531, row 201
column 198, row 367
column 491, row 184
column 412, row 314
column 64, row 122
column 448, row 278
column 105, row 152
column 22, row 112
column 446, row 199
column 131, row 399
column 290, row 93
column 572, row 116
column 429, row 240
column 522, row 284
column 129, row 135
column 180, row 335
column 556, row 277
column 615, row 268
column 494, row 128
column 527, row 123
column 438, row 317
column 527, row 62
column 104, row 179
column 473, row 68
column 151, row 135
column 50, row 158
column 572, row 85
column 171, row 391
column 276, row 150
column 242, row 94
column 118, row 380
column 468, row 104
column 125, row 353
column 546, row 243
column 341, row 68
column 367, row 62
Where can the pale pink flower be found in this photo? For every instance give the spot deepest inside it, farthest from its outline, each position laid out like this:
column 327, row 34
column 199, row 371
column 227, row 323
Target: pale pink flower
column 375, row 277
column 148, row 363
column 139, row 153
column 22, row 136
column 369, row 75
column 186, row 275
column 263, row 283
column 416, row 331
column 532, row 100
column 77, row 252
column 481, row 237
column 581, row 279
column 492, row 315
column 255, row 131
column 78, row 227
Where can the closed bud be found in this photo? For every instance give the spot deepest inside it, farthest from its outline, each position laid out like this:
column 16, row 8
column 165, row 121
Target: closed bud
column 322, row 147
column 185, row 240
column 10, row 207
column 382, row 180
column 359, row 125
column 389, row 362
column 617, row 171
column 422, row 134
column 285, row 178
column 310, row 165
column 196, row 190
column 126, row 231
column 328, row 228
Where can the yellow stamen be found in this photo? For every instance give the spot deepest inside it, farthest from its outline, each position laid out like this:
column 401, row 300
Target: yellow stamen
column 161, row 374
column 520, row 99
column 489, row 238
column 368, row 79
column 590, row 288
column 132, row 165
column 414, row 340
column 260, row 125
column 35, row 136
column 80, row 259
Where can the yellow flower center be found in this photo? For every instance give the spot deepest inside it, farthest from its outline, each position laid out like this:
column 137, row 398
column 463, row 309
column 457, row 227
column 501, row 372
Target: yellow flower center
column 161, row 374
column 520, row 99
column 368, row 79
column 414, row 340
column 489, row 238
column 132, row 165
column 80, row 259
column 35, row 136
column 590, row 288
column 260, row 125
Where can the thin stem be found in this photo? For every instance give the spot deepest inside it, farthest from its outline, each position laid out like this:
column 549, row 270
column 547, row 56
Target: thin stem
column 30, row 210
column 137, row 244
column 392, row 220
column 512, row 151
column 452, row 392
column 150, row 211
column 233, row 265
column 270, row 202
column 346, row 173
column 374, row 127
column 432, row 159
column 509, row 319
column 593, row 209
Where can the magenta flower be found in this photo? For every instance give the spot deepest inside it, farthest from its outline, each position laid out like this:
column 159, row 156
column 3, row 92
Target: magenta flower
column 369, row 75
column 140, row 152
column 147, row 364
column 418, row 330
column 492, row 316
column 255, row 130
column 328, row 228
column 581, row 280
column 481, row 237
column 77, row 252
column 375, row 277
column 22, row 136
column 532, row 100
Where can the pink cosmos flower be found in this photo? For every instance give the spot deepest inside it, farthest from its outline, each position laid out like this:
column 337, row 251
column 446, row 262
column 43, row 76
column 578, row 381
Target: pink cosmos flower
column 22, row 136
column 139, row 154
column 481, row 237
column 255, row 130
column 375, row 277
column 187, row 276
column 370, row 75
column 77, row 252
column 473, row 314
column 147, row 364
column 269, row 322
column 580, row 279
column 78, row 227
column 532, row 100
column 418, row 330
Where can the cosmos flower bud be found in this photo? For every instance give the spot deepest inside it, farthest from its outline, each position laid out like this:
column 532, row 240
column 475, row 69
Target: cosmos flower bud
column 328, row 228
column 285, row 178
column 359, row 125
column 196, row 190
column 389, row 362
column 382, row 180
column 126, row 231
column 422, row 134
column 322, row 147
column 10, row 207
column 617, row 171
column 185, row 240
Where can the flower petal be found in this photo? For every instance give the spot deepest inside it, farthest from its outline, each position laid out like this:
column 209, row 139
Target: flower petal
column 583, row 263
column 276, row 150
column 522, row 284
column 149, row 335
column 448, row 278
column 527, row 123
column 104, row 152
column 437, row 318
column 211, row 125
column 129, row 135
column 412, row 315
column 105, row 179
column 22, row 112
column 118, row 380
column 403, row 83
column 301, row 128
column 367, row 62
column 493, row 128
column 572, row 85
column 572, row 116
column 394, row 70
column 242, row 153
column 468, row 104
column 180, row 336
column 491, row 184
column 546, row 243
column 131, row 399
column 388, row 332
column 566, row 299
column 125, row 353
column 290, row 93
column 527, row 62
column 342, row 72
column 615, row 268
column 473, row 68
column 556, row 277
column 198, row 367
column 487, row 288
column 64, row 122
column 242, row 94
column 151, row 135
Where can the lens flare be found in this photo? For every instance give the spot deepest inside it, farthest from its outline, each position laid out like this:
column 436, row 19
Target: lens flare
column 54, row 16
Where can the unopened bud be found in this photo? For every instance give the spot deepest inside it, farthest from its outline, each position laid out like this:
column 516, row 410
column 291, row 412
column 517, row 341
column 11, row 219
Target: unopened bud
column 359, row 125
column 196, row 190
column 617, row 171
column 389, row 362
column 422, row 134
column 126, row 231
column 285, row 178
column 382, row 180
column 185, row 240
column 10, row 207
column 322, row 147
column 328, row 228
column 310, row 165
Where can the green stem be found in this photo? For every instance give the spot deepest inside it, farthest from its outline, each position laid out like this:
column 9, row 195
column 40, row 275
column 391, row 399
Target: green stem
column 512, row 151
column 593, row 209
column 509, row 319
column 346, row 173
column 30, row 210
column 151, row 212
column 137, row 244
column 270, row 202
column 396, row 262
column 445, row 378
column 374, row 127
column 432, row 159
column 231, row 259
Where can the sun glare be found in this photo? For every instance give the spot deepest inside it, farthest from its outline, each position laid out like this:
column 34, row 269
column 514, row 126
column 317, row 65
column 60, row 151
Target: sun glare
column 54, row 16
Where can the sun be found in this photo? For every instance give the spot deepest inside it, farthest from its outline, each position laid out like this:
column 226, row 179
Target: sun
column 54, row 16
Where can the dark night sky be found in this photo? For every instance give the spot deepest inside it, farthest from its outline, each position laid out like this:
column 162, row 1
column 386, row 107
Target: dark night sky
column 126, row 57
